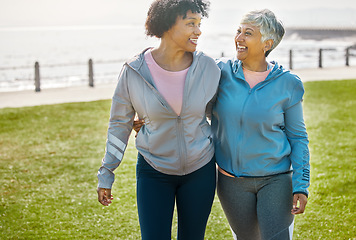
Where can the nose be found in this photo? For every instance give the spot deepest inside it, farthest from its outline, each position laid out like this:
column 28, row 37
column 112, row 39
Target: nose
column 238, row 37
column 197, row 31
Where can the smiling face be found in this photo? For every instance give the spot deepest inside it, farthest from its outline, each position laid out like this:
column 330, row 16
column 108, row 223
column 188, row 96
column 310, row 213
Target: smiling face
column 185, row 32
column 249, row 45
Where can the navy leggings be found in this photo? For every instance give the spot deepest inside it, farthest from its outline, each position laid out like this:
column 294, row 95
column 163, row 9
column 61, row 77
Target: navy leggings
column 157, row 193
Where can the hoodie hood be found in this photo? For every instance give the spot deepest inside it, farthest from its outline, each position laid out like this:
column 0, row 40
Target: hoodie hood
column 276, row 72
column 137, row 62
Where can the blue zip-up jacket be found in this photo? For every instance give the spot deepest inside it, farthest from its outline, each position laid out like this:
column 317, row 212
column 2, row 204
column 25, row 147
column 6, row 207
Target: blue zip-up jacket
column 261, row 131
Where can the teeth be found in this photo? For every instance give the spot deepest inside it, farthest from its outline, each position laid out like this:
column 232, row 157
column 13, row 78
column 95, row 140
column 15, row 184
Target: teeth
column 241, row 47
column 194, row 40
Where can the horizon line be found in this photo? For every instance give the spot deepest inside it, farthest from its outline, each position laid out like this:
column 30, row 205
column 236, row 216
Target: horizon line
column 121, row 26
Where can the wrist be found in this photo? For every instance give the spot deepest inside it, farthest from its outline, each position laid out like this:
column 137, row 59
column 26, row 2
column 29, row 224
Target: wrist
column 301, row 193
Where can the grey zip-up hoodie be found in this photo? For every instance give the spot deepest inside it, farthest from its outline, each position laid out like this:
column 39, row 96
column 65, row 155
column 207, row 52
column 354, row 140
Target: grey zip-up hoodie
column 171, row 144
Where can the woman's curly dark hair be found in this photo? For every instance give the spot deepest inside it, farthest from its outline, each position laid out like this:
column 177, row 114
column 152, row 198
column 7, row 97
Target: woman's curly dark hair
column 163, row 14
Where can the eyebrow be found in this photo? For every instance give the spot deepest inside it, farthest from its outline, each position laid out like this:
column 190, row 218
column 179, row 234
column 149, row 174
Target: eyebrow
column 193, row 18
column 251, row 29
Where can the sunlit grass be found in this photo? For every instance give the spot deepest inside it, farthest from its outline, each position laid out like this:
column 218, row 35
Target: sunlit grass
column 49, row 156
column 330, row 112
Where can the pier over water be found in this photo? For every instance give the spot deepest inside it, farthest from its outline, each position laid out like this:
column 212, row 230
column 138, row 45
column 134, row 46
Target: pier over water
column 320, row 33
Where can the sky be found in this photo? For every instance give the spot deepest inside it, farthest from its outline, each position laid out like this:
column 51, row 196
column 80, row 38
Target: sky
column 305, row 13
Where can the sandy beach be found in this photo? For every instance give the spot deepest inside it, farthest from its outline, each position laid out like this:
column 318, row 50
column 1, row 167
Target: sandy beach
column 105, row 91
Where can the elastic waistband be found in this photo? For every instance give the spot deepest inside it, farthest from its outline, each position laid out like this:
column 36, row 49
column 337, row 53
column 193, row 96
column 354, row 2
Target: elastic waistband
column 226, row 173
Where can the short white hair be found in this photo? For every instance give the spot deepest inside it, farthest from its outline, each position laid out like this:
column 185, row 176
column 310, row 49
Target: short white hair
column 269, row 26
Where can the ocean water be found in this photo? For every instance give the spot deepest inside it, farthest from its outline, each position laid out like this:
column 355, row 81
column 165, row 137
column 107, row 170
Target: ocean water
column 63, row 52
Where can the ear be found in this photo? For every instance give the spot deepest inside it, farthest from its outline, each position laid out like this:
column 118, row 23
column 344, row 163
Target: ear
column 268, row 45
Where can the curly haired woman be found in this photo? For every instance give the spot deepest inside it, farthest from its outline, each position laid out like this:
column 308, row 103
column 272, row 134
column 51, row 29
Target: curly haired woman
column 169, row 87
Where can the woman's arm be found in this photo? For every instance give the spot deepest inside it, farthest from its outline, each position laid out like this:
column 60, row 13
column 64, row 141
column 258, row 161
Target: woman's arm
column 298, row 138
column 120, row 126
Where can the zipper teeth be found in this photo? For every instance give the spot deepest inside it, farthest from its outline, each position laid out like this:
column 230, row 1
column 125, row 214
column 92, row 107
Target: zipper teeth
column 180, row 147
column 242, row 132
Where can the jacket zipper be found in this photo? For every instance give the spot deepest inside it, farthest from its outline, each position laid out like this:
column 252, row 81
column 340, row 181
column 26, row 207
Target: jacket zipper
column 241, row 138
column 181, row 148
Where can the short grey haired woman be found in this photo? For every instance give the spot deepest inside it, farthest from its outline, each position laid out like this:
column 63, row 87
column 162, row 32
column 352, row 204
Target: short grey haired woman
column 261, row 143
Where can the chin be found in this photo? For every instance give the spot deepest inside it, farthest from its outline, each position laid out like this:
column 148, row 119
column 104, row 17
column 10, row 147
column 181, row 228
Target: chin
column 239, row 57
column 194, row 49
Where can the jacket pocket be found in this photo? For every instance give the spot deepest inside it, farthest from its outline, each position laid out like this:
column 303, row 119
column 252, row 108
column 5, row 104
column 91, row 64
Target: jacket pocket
column 206, row 129
column 142, row 139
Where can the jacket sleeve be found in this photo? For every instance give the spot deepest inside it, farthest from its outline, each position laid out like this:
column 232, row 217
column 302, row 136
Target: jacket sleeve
column 209, row 107
column 120, row 126
column 215, row 76
column 298, row 139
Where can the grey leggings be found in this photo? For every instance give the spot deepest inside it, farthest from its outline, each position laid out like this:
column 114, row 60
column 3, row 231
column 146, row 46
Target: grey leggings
column 258, row 207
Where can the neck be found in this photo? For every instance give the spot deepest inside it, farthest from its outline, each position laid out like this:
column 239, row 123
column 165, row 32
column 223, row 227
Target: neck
column 256, row 66
column 171, row 58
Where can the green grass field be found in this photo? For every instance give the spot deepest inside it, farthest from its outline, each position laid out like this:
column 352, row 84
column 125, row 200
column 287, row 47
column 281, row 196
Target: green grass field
column 49, row 156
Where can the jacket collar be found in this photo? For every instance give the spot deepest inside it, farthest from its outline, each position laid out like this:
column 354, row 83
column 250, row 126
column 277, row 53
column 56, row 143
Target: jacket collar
column 137, row 61
column 138, row 64
column 277, row 70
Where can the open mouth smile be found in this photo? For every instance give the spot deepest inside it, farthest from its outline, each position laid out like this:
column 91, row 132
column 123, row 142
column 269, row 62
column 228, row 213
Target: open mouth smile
column 194, row 40
column 241, row 48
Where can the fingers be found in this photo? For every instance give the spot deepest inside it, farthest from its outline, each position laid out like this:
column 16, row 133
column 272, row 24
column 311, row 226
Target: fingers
column 109, row 197
column 137, row 124
column 104, row 196
column 302, row 200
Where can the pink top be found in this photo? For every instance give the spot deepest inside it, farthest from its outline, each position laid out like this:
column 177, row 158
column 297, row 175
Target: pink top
column 253, row 78
column 169, row 84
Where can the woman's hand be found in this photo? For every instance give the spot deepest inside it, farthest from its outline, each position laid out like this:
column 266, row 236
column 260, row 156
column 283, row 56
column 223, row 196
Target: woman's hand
column 104, row 196
column 302, row 200
column 137, row 124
